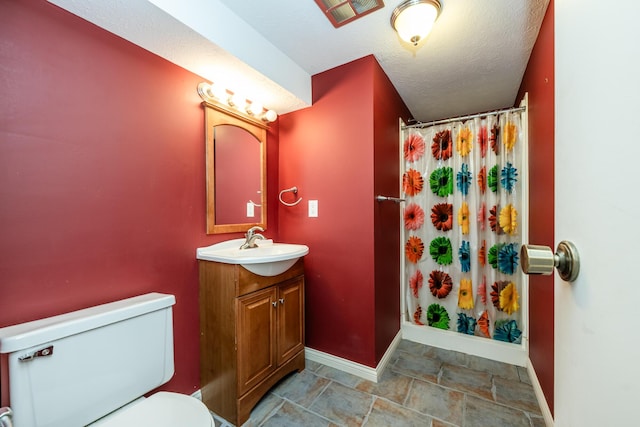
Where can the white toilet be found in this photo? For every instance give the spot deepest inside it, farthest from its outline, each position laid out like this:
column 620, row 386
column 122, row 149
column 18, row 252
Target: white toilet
column 94, row 366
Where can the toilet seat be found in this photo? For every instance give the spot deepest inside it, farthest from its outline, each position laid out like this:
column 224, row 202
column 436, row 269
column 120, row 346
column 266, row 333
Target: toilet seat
column 162, row 409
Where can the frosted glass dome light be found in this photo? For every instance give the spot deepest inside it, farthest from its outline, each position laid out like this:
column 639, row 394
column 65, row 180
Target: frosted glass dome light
column 413, row 19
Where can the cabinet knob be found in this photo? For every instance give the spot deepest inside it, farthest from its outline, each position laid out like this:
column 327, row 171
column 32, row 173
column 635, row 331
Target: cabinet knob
column 281, row 300
column 274, row 304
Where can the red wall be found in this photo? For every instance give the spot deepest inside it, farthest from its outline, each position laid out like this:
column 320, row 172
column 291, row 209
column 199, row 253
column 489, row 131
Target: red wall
column 539, row 83
column 388, row 108
column 329, row 151
column 103, row 186
column 102, row 189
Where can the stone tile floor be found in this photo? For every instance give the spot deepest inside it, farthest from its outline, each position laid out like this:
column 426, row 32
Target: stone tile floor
column 421, row 386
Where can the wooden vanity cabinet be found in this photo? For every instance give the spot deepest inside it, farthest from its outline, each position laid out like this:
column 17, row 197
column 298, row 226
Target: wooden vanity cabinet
column 251, row 334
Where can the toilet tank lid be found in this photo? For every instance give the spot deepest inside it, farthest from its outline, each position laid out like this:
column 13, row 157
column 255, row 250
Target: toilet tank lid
column 29, row 334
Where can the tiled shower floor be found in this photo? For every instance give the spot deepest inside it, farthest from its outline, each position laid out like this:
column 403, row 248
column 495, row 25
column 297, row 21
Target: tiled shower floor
column 422, row 386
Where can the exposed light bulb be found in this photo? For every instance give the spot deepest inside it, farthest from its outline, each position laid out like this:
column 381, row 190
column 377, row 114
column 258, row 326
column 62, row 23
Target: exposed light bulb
column 208, row 92
column 237, row 100
column 219, row 92
column 270, row 116
column 255, row 108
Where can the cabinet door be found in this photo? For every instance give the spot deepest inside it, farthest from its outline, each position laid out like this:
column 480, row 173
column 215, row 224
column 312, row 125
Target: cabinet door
column 290, row 319
column 256, row 337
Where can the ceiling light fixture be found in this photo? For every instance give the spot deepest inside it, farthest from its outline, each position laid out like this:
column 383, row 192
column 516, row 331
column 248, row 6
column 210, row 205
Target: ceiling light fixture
column 413, row 19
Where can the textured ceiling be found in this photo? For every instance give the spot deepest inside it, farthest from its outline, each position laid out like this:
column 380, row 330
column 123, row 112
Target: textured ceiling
column 473, row 60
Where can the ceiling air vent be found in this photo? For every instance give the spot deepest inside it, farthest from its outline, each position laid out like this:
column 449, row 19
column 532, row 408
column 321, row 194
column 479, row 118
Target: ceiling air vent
column 341, row 12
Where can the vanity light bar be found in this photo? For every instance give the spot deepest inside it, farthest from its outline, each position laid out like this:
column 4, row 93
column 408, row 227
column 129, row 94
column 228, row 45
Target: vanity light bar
column 235, row 100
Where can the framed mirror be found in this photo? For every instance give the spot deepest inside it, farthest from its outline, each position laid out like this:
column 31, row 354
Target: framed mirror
column 236, row 170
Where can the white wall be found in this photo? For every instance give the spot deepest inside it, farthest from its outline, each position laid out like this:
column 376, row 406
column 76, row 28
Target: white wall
column 201, row 36
column 597, row 202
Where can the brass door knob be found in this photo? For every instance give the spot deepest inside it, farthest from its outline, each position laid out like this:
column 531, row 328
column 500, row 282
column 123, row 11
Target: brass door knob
column 541, row 260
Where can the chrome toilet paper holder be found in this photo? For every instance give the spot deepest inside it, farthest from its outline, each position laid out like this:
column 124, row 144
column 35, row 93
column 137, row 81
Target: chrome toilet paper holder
column 538, row 259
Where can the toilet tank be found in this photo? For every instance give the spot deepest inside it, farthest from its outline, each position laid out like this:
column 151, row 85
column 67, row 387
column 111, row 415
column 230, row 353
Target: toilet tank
column 72, row 369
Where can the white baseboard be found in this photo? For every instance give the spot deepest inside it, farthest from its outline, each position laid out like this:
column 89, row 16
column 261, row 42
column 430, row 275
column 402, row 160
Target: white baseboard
column 373, row 374
column 542, row 400
column 386, row 357
column 354, row 368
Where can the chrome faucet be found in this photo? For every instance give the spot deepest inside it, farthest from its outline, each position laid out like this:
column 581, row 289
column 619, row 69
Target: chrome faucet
column 251, row 237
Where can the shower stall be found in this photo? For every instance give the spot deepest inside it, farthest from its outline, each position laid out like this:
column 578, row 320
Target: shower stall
column 463, row 221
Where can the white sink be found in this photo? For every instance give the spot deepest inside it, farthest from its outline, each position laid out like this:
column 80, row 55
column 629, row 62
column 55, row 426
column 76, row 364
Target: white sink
column 268, row 259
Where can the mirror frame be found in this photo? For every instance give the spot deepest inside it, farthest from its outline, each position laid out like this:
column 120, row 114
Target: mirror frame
column 217, row 114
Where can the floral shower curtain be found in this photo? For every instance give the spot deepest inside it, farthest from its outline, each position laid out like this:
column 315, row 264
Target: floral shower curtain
column 463, row 186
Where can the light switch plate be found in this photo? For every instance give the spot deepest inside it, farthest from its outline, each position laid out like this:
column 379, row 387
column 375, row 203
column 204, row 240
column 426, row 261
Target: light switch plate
column 250, row 212
column 313, row 208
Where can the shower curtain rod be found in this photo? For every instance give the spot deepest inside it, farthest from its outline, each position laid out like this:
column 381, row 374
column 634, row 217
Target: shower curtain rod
column 471, row 116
